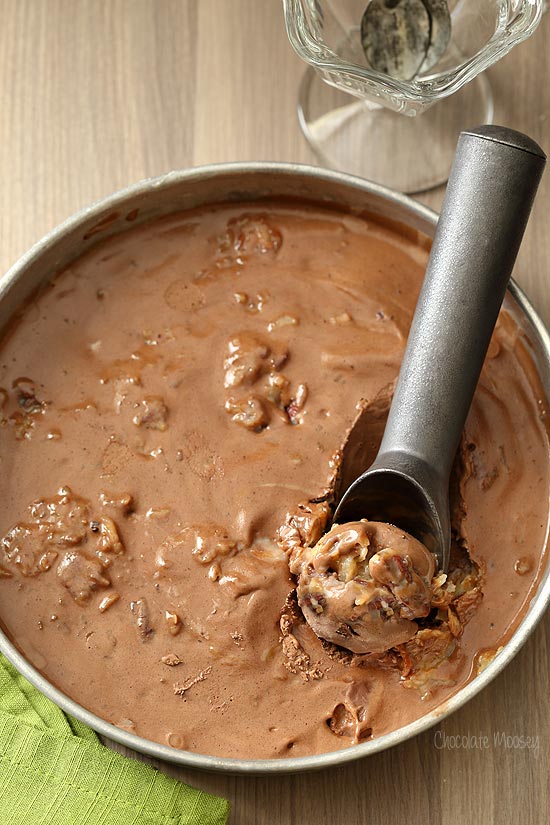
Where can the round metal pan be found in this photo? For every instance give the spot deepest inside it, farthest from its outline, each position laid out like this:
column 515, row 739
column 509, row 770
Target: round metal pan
column 178, row 191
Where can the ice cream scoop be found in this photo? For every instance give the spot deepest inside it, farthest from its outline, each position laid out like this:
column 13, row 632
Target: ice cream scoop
column 493, row 181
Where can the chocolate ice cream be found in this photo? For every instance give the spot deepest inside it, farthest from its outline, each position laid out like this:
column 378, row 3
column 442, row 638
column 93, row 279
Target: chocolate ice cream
column 362, row 585
column 173, row 408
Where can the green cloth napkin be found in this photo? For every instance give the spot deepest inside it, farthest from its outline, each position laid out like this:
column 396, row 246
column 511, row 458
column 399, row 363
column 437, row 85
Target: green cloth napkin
column 54, row 771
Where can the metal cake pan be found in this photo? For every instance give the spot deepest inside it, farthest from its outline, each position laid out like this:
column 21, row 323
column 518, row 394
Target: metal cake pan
column 236, row 182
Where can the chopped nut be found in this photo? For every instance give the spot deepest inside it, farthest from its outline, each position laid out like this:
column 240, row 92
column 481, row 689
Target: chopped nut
column 278, row 389
column 256, row 305
column 245, row 361
column 173, row 622
column 340, row 320
column 454, row 622
column 23, row 546
column 248, row 412
column 485, row 657
column 22, row 424
column 126, row 724
column 66, row 515
column 47, row 559
column 28, row 407
column 118, row 501
column 207, row 543
column 210, row 543
column 180, row 688
column 248, row 235
column 304, row 527
column 152, row 415
column 266, row 549
column 81, row 575
column 63, row 522
column 214, row 572
column 296, row 660
column 140, row 609
column 157, row 513
column 466, row 605
column 25, row 391
column 301, row 396
column 171, row 659
column 283, row 321
column 107, row 601
column 523, row 566
column 249, row 357
column 427, row 649
column 109, row 541
column 296, row 405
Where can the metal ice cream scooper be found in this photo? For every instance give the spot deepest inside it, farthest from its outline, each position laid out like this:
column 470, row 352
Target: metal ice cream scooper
column 492, row 185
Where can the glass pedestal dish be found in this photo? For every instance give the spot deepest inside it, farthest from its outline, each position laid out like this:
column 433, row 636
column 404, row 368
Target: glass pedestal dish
column 388, row 130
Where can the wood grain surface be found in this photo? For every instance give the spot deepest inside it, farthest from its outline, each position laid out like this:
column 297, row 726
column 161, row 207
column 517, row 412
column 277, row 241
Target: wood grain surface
column 97, row 94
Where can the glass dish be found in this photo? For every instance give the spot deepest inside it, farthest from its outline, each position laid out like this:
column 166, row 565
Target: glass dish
column 352, row 126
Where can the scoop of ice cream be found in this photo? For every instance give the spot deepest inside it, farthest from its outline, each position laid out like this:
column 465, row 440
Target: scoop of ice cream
column 363, row 584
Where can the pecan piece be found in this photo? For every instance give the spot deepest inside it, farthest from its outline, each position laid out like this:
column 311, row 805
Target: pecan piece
column 140, row 609
column 81, row 575
column 249, row 412
column 152, row 414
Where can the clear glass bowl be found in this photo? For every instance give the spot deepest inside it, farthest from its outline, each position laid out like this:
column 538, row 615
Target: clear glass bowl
column 326, row 34
column 354, row 119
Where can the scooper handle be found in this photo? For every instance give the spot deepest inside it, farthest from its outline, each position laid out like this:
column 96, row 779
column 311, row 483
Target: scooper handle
column 492, row 185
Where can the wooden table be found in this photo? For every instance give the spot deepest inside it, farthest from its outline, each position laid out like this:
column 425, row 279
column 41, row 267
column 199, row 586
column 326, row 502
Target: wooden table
column 99, row 93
